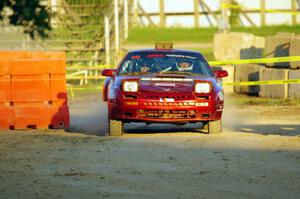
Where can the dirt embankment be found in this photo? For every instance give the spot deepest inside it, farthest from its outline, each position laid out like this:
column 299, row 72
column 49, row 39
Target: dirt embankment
column 257, row 156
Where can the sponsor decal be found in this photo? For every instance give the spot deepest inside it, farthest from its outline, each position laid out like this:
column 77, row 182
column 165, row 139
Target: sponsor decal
column 181, row 56
column 165, row 84
column 136, row 57
column 155, row 56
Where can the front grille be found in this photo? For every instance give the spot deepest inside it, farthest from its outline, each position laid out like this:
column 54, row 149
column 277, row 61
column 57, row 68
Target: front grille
column 169, row 103
column 184, row 96
column 167, row 114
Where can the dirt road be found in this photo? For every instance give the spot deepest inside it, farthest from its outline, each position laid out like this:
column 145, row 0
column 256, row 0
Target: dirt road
column 257, row 156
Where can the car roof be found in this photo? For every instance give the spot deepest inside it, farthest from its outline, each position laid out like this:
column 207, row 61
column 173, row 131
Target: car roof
column 153, row 50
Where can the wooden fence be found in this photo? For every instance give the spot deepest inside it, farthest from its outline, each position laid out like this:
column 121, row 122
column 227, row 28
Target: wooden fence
column 99, row 28
column 202, row 7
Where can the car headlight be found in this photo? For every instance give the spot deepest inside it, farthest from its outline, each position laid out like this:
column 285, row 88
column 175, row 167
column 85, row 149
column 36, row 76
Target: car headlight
column 202, row 88
column 130, row 86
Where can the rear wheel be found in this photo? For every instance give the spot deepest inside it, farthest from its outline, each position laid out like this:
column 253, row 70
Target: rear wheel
column 214, row 127
column 116, row 128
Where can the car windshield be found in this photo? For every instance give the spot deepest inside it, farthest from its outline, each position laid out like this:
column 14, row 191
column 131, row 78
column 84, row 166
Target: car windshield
column 165, row 63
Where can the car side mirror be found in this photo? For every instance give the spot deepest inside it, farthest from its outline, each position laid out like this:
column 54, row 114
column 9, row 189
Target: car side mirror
column 221, row 73
column 108, row 72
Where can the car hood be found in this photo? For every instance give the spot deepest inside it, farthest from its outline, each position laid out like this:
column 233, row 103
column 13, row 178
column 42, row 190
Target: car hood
column 168, row 82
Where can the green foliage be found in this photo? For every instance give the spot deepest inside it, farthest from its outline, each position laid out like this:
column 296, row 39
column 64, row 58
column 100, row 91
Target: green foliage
column 30, row 14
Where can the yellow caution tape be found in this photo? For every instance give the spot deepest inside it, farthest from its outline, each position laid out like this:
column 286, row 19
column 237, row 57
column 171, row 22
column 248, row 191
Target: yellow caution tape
column 86, row 77
column 267, row 82
column 75, row 67
column 218, row 63
column 83, row 88
column 224, row 5
column 233, row 6
column 252, row 83
column 283, row 12
column 256, row 61
column 72, row 94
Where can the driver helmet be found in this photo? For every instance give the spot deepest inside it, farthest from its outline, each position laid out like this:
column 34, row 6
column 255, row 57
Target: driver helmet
column 145, row 66
column 184, row 65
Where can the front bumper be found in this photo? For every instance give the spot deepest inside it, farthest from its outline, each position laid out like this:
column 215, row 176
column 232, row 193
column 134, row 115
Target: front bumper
column 155, row 111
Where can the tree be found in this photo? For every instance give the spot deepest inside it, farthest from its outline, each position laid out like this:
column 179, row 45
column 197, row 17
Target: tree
column 30, row 14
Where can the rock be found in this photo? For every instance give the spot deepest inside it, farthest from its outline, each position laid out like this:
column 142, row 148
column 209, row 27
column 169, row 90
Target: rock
column 245, row 73
column 294, row 89
column 277, row 46
column 295, row 51
column 234, row 45
column 274, row 91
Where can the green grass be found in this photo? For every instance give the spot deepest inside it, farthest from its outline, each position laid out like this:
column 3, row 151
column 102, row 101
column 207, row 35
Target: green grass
column 207, row 52
column 269, row 30
column 151, row 35
column 142, row 35
column 146, row 35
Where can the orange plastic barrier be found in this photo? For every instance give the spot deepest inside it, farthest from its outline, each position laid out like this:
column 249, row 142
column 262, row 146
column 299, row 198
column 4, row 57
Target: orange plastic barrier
column 33, row 90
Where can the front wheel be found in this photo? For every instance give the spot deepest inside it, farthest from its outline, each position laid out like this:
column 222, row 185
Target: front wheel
column 116, row 128
column 214, row 127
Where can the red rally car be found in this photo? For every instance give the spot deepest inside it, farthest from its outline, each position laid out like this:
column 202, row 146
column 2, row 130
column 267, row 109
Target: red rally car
column 164, row 85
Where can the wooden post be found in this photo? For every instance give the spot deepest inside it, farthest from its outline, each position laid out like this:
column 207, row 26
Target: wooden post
column 117, row 33
column 144, row 13
column 197, row 13
column 293, row 15
column 262, row 12
column 210, row 11
column 225, row 15
column 162, row 13
column 135, row 11
column 107, row 40
column 126, row 21
column 54, row 5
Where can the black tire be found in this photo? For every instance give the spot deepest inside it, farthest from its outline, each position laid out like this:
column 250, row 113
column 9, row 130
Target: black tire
column 215, row 127
column 116, row 128
column 205, row 126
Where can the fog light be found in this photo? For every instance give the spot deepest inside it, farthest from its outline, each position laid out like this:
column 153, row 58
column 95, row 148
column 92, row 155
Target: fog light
column 202, row 104
column 132, row 103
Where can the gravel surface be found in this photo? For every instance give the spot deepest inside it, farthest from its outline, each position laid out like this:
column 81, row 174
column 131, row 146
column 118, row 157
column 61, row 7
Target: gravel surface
column 257, row 156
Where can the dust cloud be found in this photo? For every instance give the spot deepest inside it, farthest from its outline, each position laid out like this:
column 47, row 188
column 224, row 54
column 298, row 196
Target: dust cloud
column 89, row 117
column 232, row 117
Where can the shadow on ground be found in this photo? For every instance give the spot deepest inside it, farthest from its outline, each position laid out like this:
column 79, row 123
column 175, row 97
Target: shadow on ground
column 270, row 129
column 140, row 128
